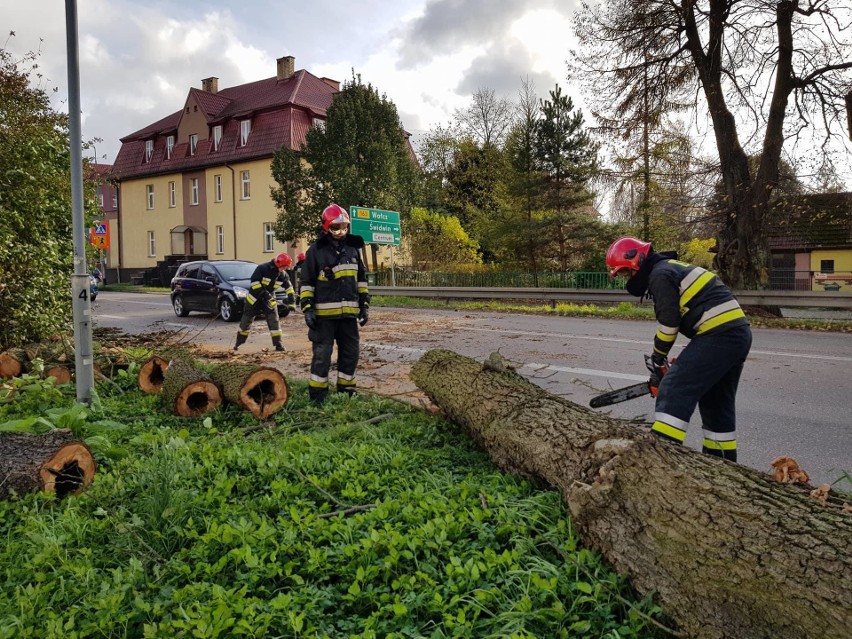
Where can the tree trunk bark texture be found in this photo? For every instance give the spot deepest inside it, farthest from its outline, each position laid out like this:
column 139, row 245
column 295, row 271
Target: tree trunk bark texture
column 728, row 552
column 260, row 390
column 189, row 391
column 54, row 462
column 152, row 372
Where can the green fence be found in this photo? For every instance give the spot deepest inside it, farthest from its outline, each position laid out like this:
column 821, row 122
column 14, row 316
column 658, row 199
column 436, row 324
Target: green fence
column 504, row 280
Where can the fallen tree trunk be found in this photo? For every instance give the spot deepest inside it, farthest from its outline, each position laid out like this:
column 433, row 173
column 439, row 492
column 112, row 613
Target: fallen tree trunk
column 54, row 462
column 189, row 391
column 728, row 552
column 258, row 389
column 152, row 372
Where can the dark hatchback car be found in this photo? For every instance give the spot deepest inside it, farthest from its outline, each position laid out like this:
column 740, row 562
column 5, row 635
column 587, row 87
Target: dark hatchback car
column 217, row 286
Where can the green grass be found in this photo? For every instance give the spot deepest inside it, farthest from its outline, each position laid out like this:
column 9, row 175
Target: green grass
column 321, row 525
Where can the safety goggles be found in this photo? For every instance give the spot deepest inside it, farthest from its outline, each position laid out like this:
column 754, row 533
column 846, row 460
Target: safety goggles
column 338, row 228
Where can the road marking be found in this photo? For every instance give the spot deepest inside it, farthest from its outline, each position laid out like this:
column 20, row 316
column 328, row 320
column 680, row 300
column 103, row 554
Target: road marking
column 145, row 303
column 535, row 367
column 118, row 317
column 178, row 325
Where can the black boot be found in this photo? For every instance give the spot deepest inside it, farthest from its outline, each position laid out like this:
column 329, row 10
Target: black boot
column 241, row 339
column 276, row 342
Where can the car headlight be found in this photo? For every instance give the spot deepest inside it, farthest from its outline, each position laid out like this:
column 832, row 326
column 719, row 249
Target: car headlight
column 240, row 292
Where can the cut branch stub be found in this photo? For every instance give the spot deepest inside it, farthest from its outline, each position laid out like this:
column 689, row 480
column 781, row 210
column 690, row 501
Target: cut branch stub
column 728, row 552
column 260, row 390
column 54, row 462
column 189, row 390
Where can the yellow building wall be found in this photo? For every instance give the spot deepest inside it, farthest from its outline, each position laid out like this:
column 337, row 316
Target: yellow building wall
column 842, row 270
column 137, row 219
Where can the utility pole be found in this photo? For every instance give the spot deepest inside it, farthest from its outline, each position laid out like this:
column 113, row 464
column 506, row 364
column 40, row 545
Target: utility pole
column 81, row 303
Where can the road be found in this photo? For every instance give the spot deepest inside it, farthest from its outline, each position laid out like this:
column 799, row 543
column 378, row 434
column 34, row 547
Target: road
column 795, row 396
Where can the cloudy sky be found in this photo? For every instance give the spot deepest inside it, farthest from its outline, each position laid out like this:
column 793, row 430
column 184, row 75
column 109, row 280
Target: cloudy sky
column 139, row 59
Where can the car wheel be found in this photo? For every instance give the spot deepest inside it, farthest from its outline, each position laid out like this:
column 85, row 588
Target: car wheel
column 227, row 311
column 180, row 309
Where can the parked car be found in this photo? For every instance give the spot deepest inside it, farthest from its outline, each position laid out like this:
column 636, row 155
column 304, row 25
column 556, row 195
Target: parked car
column 93, row 287
column 215, row 286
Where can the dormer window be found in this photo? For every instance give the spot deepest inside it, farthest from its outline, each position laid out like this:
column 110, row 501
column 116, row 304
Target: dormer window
column 245, row 129
column 193, row 143
column 149, row 150
column 217, row 136
column 170, row 145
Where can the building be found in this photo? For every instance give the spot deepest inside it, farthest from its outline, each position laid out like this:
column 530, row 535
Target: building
column 196, row 184
column 106, row 193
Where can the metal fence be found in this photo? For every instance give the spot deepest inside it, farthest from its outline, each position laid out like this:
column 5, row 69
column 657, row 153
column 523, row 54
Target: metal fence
column 783, row 279
column 498, row 280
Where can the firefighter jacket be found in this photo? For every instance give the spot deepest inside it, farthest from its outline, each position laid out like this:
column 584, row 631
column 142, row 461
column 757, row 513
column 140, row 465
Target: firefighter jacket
column 333, row 277
column 267, row 279
column 690, row 300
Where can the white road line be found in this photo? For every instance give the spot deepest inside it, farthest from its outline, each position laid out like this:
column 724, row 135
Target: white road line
column 178, row 325
column 145, row 303
column 118, row 317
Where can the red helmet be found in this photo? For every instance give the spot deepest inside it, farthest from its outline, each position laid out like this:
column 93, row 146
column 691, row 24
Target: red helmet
column 334, row 214
column 282, row 260
column 626, row 253
column 300, row 257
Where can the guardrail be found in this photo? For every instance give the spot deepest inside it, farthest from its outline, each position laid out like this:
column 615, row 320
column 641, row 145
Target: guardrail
column 787, row 299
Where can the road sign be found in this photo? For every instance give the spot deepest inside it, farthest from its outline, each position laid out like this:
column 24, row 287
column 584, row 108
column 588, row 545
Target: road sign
column 375, row 226
column 100, row 235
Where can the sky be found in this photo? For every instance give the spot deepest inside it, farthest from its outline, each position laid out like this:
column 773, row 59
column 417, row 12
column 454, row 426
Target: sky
column 138, row 60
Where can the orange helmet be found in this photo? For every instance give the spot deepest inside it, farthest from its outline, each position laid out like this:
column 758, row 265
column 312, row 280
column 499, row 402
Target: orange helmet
column 334, row 214
column 626, row 253
column 282, row 260
column 300, row 257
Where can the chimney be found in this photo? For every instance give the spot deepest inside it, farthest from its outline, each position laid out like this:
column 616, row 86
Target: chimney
column 286, row 67
column 334, row 84
column 211, row 85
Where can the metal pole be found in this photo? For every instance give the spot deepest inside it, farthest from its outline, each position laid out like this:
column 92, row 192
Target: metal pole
column 82, row 305
column 393, row 275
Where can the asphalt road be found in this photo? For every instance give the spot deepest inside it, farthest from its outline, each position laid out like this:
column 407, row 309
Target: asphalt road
column 795, row 395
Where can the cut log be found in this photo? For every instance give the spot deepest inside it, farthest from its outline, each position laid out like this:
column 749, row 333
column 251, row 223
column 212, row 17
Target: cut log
column 258, row 389
column 189, row 391
column 152, row 372
column 728, row 552
column 13, row 362
column 61, row 373
column 54, row 462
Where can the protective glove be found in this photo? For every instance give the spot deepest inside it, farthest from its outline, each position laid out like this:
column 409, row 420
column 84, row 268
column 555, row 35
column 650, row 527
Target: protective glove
column 311, row 320
column 284, row 311
column 657, row 365
column 363, row 316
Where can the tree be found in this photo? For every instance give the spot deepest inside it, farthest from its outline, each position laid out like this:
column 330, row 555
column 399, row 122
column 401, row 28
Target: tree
column 487, row 120
column 360, row 157
column 439, row 242
column 780, row 65
column 436, row 151
column 36, row 244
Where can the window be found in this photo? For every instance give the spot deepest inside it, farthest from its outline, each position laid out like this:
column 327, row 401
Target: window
column 217, row 136
column 245, row 129
column 220, row 240
column 152, row 245
column 101, row 196
column 114, row 198
column 149, row 190
column 193, row 143
column 245, row 178
column 149, row 150
column 172, row 195
column 826, row 266
column 170, row 145
column 320, row 124
column 268, row 237
column 193, row 198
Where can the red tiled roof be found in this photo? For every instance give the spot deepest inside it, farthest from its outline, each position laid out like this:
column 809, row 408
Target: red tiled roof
column 819, row 220
column 282, row 111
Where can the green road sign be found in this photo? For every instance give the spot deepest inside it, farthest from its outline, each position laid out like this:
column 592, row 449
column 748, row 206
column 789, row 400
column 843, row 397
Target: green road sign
column 374, row 225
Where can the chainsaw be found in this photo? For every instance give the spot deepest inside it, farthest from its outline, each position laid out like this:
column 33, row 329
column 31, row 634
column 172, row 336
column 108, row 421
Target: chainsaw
column 630, row 392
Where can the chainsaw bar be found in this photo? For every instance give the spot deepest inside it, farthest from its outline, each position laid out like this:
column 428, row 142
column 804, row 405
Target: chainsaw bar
column 620, row 395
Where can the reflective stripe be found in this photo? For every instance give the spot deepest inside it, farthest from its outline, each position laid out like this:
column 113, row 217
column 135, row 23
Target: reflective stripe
column 338, row 311
column 273, row 303
column 719, row 437
column 666, row 337
column 344, row 376
column 307, row 289
column 275, row 333
column 670, row 431
column 724, row 318
column 709, row 444
column 690, row 277
column 363, row 289
column 244, row 333
column 695, row 287
column 256, row 285
column 345, row 267
column 266, row 280
column 337, row 304
column 347, row 273
column 667, row 330
column 318, row 382
column 250, row 299
column 345, row 382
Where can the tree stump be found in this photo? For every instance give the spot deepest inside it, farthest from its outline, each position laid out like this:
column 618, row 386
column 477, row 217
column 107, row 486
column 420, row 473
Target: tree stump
column 54, row 462
column 152, row 372
column 61, row 373
column 728, row 552
column 189, row 391
column 258, row 389
column 13, row 362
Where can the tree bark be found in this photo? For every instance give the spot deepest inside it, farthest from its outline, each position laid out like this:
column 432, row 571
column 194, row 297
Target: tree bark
column 728, row 552
column 189, row 391
column 54, row 462
column 258, row 389
column 152, row 372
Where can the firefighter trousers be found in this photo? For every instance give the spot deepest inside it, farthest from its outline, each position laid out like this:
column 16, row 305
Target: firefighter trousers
column 270, row 309
column 344, row 331
column 706, row 374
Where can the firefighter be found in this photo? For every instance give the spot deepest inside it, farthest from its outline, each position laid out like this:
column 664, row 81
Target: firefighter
column 266, row 279
column 334, row 300
column 297, row 277
column 690, row 300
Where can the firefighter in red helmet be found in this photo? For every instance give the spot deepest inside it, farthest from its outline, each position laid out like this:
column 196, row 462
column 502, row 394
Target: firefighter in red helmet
column 297, row 277
column 690, row 300
column 335, row 300
column 266, row 279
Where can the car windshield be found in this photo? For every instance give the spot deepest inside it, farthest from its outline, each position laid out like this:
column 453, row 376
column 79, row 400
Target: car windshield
column 236, row 270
